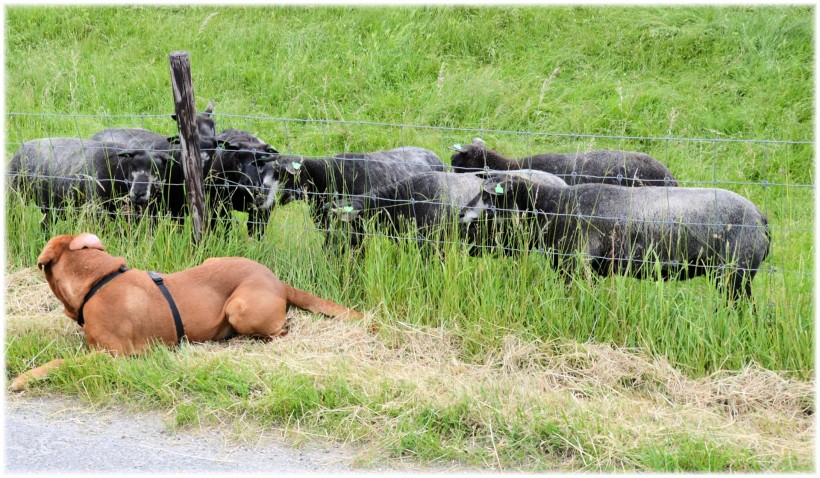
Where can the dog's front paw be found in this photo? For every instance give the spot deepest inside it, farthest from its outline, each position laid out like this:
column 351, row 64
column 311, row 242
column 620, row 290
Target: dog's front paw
column 20, row 383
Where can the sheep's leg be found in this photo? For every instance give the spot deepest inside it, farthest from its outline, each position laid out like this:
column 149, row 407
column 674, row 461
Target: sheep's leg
column 257, row 222
column 736, row 285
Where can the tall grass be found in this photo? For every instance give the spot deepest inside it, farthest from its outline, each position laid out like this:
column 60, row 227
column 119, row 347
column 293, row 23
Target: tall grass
column 723, row 96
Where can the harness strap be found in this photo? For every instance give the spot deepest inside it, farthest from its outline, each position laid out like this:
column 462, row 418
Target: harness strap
column 177, row 319
column 99, row 285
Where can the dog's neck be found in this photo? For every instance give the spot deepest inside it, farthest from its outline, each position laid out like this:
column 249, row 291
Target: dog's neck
column 77, row 273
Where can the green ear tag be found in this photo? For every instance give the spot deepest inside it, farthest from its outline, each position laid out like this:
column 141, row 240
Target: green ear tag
column 296, row 165
column 457, row 146
column 348, row 209
column 499, row 189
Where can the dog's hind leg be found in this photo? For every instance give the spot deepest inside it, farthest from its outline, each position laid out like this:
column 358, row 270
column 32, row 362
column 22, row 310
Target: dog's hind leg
column 21, row 383
column 254, row 312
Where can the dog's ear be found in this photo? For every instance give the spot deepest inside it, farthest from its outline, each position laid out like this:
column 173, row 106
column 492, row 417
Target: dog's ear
column 86, row 241
column 53, row 250
column 47, row 256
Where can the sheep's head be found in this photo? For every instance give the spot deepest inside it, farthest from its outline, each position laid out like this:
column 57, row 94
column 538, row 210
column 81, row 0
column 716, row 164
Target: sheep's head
column 205, row 124
column 468, row 158
column 281, row 181
column 347, row 210
column 141, row 172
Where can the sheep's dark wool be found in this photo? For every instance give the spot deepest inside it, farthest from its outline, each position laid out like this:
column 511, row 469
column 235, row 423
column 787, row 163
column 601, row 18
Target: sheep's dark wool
column 173, row 197
column 59, row 171
column 232, row 181
column 676, row 233
column 319, row 180
column 173, row 187
column 625, row 168
column 427, row 201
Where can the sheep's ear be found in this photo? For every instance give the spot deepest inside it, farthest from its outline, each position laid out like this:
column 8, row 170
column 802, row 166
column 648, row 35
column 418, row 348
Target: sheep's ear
column 269, row 149
column 345, row 212
column 293, row 167
column 209, row 109
column 478, row 141
column 174, row 117
column 495, row 186
column 221, row 143
column 126, row 153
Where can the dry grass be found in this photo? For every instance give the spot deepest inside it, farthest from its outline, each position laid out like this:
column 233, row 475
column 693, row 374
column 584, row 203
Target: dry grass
column 639, row 397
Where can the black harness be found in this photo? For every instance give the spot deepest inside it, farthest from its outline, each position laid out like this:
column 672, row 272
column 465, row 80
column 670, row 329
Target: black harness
column 99, row 285
column 157, row 280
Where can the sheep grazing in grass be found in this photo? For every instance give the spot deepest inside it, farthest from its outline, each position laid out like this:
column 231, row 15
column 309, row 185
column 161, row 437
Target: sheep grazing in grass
column 318, row 180
column 623, row 168
column 232, row 182
column 671, row 233
column 172, row 177
column 429, row 202
column 57, row 172
column 173, row 188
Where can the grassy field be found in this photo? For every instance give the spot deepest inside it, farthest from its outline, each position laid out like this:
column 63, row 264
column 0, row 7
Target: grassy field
column 479, row 362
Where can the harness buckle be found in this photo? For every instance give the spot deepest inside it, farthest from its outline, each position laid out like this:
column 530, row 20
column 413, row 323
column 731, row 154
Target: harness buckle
column 155, row 277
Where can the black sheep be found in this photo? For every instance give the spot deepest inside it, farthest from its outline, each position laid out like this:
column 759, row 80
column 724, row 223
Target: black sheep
column 624, row 168
column 232, row 181
column 678, row 233
column 173, row 189
column 56, row 172
column 319, row 180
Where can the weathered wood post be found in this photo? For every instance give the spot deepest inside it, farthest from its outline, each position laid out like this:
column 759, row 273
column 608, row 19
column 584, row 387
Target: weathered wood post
column 189, row 137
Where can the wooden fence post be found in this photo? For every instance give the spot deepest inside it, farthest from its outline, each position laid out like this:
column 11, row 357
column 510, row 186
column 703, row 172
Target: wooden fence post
column 185, row 108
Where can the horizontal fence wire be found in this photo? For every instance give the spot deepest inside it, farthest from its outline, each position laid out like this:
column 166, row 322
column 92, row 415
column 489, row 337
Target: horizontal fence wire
column 413, row 126
column 333, row 137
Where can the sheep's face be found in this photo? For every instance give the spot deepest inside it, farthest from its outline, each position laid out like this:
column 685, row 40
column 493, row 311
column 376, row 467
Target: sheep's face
column 142, row 172
column 242, row 162
column 468, row 158
column 205, row 124
column 281, row 182
column 481, row 206
column 347, row 210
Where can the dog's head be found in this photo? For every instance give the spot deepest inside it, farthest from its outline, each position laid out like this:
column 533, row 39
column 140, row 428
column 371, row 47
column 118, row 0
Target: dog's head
column 59, row 245
column 70, row 268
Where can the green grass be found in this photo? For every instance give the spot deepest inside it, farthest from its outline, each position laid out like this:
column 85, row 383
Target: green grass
column 701, row 89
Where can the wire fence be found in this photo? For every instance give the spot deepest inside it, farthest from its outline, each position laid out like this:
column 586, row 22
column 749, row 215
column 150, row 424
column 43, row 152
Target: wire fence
column 775, row 175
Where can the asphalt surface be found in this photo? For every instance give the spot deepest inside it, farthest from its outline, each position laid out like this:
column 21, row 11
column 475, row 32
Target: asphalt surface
column 54, row 435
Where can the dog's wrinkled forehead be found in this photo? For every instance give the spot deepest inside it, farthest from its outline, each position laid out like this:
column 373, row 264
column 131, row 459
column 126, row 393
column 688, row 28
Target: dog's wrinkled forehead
column 58, row 245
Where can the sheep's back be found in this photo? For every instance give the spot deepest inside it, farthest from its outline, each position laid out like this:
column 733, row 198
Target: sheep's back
column 690, row 222
column 135, row 138
column 420, row 159
column 62, row 167
column 603, row 166
column 66, row 156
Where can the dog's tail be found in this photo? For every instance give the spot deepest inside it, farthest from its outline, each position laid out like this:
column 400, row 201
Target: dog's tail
column 307, row 301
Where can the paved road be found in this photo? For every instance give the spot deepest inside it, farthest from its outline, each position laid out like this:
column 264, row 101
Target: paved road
column 48, row 435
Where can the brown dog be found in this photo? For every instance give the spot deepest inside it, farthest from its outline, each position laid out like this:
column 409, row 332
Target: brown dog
column 221, row 298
